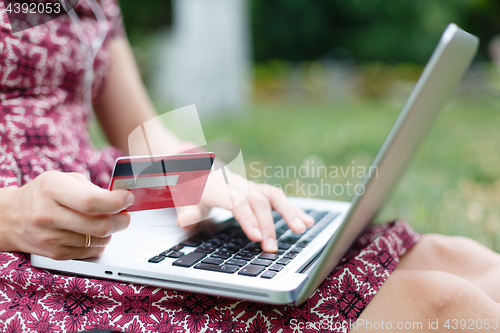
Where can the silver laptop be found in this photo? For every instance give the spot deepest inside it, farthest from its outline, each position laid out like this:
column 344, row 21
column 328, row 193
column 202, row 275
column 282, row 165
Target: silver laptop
column 216, row 258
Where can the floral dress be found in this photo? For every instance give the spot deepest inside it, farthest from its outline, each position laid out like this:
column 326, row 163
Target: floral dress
column 43, row 126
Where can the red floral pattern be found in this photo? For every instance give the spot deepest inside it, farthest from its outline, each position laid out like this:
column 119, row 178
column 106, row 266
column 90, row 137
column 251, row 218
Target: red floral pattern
column 46, row 302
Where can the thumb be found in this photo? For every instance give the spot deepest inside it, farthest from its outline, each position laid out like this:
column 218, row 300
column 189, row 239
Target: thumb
column 82, row 196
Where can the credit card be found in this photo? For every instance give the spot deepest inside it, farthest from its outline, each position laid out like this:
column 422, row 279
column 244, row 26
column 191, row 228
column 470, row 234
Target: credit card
column 165, row 181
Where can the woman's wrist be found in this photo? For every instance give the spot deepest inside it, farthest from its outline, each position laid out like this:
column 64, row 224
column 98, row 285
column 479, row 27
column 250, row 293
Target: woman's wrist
column 8, row 216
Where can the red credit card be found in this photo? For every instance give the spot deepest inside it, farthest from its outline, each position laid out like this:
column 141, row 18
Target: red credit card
column 163, row 181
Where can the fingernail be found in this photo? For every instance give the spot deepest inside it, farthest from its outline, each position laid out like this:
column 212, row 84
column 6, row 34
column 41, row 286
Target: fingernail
column 300, row 225
column 257, row 233
column 271, row 244
column 129, row 200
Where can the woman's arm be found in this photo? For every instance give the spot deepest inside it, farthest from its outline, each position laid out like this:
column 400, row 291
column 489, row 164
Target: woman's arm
column 125, row 103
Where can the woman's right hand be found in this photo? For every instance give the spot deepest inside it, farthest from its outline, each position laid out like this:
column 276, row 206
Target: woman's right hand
column 52, row 215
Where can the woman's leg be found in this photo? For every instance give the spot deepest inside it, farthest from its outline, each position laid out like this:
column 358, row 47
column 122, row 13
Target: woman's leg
column 459, row 256
column 420, row 301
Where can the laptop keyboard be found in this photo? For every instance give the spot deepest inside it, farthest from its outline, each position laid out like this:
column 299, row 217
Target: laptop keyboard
column 230, row 251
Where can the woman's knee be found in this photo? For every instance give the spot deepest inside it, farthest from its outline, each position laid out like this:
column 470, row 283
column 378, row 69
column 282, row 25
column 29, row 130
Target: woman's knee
column 447, row 253
column 446, row 294
column 423, row 296
column 448, row 245
column 434, row 293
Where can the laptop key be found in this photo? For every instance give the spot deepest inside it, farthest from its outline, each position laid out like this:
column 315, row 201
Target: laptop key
column 222, row 254
column 284, row 246
column 252, row 250
column 284, row 228
column 218, row 268
column 205, row 249
column 276, row 267
column 236, row 262
column 156, row 259
column 283, row 261
column 251, row 270
column 213, row 243
column 177, row 247
column 269, row 256
column 276, row 216
column 235, row 244
column 290, row 239
column 268, row 274
column 166, row 253
column 213, row 261
column 320, row 215
column 239, row 243
column 189, row 259
column 202, row 236
column 279, row 234
column 298, row 248
column 229, row 249
column 175, row 254
column 261, row 262
column 221, row 238
column 190, row 242
column 244, row 256
column 290, row 255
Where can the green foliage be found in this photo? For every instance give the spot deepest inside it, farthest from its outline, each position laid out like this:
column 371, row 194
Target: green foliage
column 387, row 30
column 145, row 17
column 364, row 30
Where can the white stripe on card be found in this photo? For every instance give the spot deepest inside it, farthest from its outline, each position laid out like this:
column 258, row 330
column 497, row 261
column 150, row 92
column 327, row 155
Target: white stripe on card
column 145, row 182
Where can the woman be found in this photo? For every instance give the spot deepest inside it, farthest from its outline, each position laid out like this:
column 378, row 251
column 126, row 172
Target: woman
column 52, row 203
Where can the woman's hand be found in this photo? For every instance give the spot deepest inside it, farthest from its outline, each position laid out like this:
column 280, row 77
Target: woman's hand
column 53, row 214
column 254, row 203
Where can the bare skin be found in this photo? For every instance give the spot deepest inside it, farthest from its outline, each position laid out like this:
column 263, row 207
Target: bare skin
column 441, row 278
column 459, row 256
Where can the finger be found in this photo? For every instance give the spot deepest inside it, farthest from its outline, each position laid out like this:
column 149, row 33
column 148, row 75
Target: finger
column 88, row 198
column 82, row 252
column 70, row 252
column 95, row 225
column 72, row 239
column 308, row 220
column 262, row 210
column 284, row 207
column 244, row 214
column 80, row 177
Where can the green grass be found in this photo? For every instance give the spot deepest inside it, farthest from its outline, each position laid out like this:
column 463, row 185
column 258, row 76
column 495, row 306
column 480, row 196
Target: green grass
column 451, row 187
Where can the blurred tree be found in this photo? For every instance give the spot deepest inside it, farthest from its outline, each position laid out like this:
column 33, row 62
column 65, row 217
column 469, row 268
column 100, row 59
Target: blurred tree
column 389, row 30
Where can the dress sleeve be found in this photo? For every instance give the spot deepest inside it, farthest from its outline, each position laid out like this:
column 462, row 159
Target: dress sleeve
column 113, row 13
column 9, row 170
